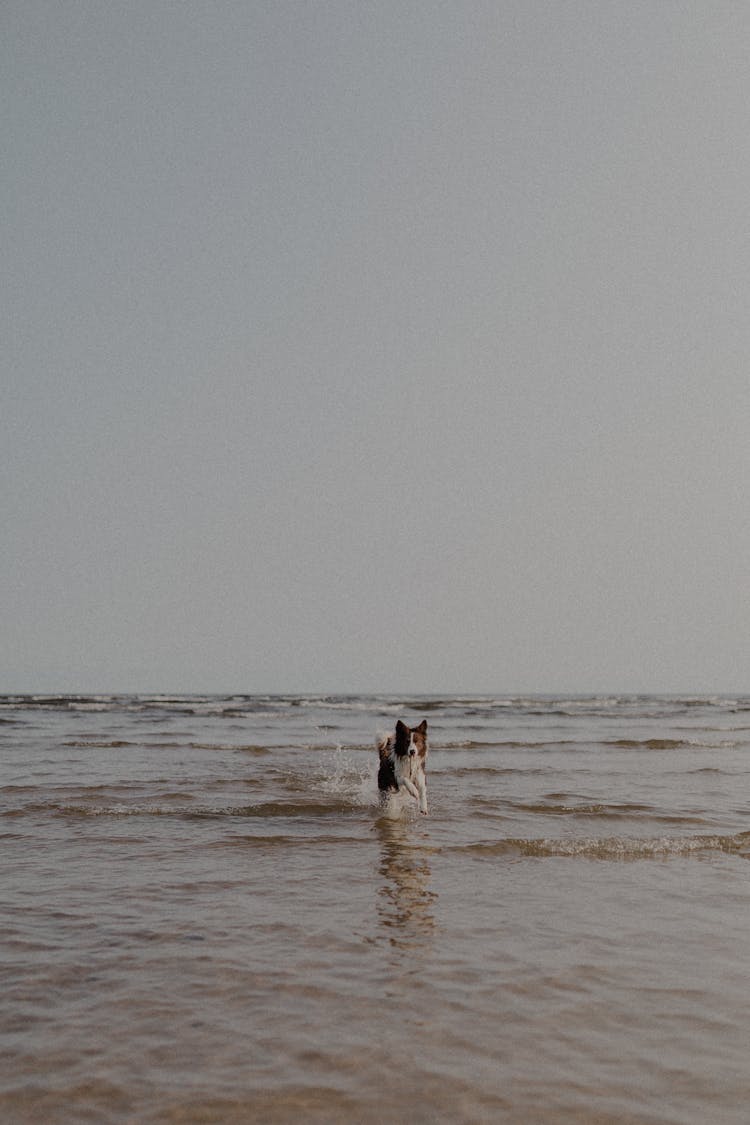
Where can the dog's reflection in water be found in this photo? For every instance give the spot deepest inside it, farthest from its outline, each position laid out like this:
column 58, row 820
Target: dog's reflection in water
column 405, row 901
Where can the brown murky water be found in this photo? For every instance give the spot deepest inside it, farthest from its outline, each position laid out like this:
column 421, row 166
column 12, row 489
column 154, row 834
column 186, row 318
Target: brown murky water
column 206, row 917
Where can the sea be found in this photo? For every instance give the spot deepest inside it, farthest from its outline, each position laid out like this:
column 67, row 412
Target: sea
column 207, row 915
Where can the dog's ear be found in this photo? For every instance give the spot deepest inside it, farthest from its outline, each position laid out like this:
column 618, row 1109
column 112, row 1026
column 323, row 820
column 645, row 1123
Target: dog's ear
column 401, row 741
column 422, row 728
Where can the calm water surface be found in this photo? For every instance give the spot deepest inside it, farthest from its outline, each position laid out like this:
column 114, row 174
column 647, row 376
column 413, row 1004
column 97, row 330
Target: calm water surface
column 206, row 917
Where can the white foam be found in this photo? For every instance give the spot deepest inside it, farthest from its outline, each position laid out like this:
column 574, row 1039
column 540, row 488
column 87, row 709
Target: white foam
column 350, row 778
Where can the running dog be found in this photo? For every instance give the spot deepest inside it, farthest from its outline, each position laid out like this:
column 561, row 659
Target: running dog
column 403, row 762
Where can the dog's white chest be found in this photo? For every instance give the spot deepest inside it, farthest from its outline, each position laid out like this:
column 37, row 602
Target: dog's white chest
column 406, row 768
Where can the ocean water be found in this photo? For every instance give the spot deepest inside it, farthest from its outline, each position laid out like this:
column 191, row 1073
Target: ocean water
column 208, row 917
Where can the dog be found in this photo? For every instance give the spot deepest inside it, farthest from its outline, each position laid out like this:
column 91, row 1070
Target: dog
column 403, row 762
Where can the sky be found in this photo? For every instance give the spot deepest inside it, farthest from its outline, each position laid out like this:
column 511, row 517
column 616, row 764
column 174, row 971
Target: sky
column 361, row 347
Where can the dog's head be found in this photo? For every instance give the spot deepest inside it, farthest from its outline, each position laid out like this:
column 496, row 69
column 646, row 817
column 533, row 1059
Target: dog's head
column 411, row 740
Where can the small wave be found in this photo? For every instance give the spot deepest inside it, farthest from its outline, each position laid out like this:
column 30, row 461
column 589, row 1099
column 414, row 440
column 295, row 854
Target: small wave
column 353, row 703
column 610, row 847
column 680, row 743
column 650, row 743
column 266, row 809
column 505, row 744
column 492, row 771
column 30, row 809
column 59, row 702
column 255, row 748
column 283, row 840
column 99, row 744
column 582, row 809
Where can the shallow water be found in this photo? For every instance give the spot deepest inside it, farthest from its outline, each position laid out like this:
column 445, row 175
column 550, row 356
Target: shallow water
column 207, row 917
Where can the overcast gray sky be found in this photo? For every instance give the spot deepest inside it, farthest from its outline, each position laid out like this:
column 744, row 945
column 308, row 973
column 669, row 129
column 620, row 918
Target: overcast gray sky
column 375, row 346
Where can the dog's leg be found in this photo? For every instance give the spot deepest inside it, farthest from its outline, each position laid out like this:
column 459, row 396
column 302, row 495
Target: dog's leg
column 410, row 787
column 422, row 782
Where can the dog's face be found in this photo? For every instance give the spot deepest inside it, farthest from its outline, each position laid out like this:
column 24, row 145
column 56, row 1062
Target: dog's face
column 411, row 740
